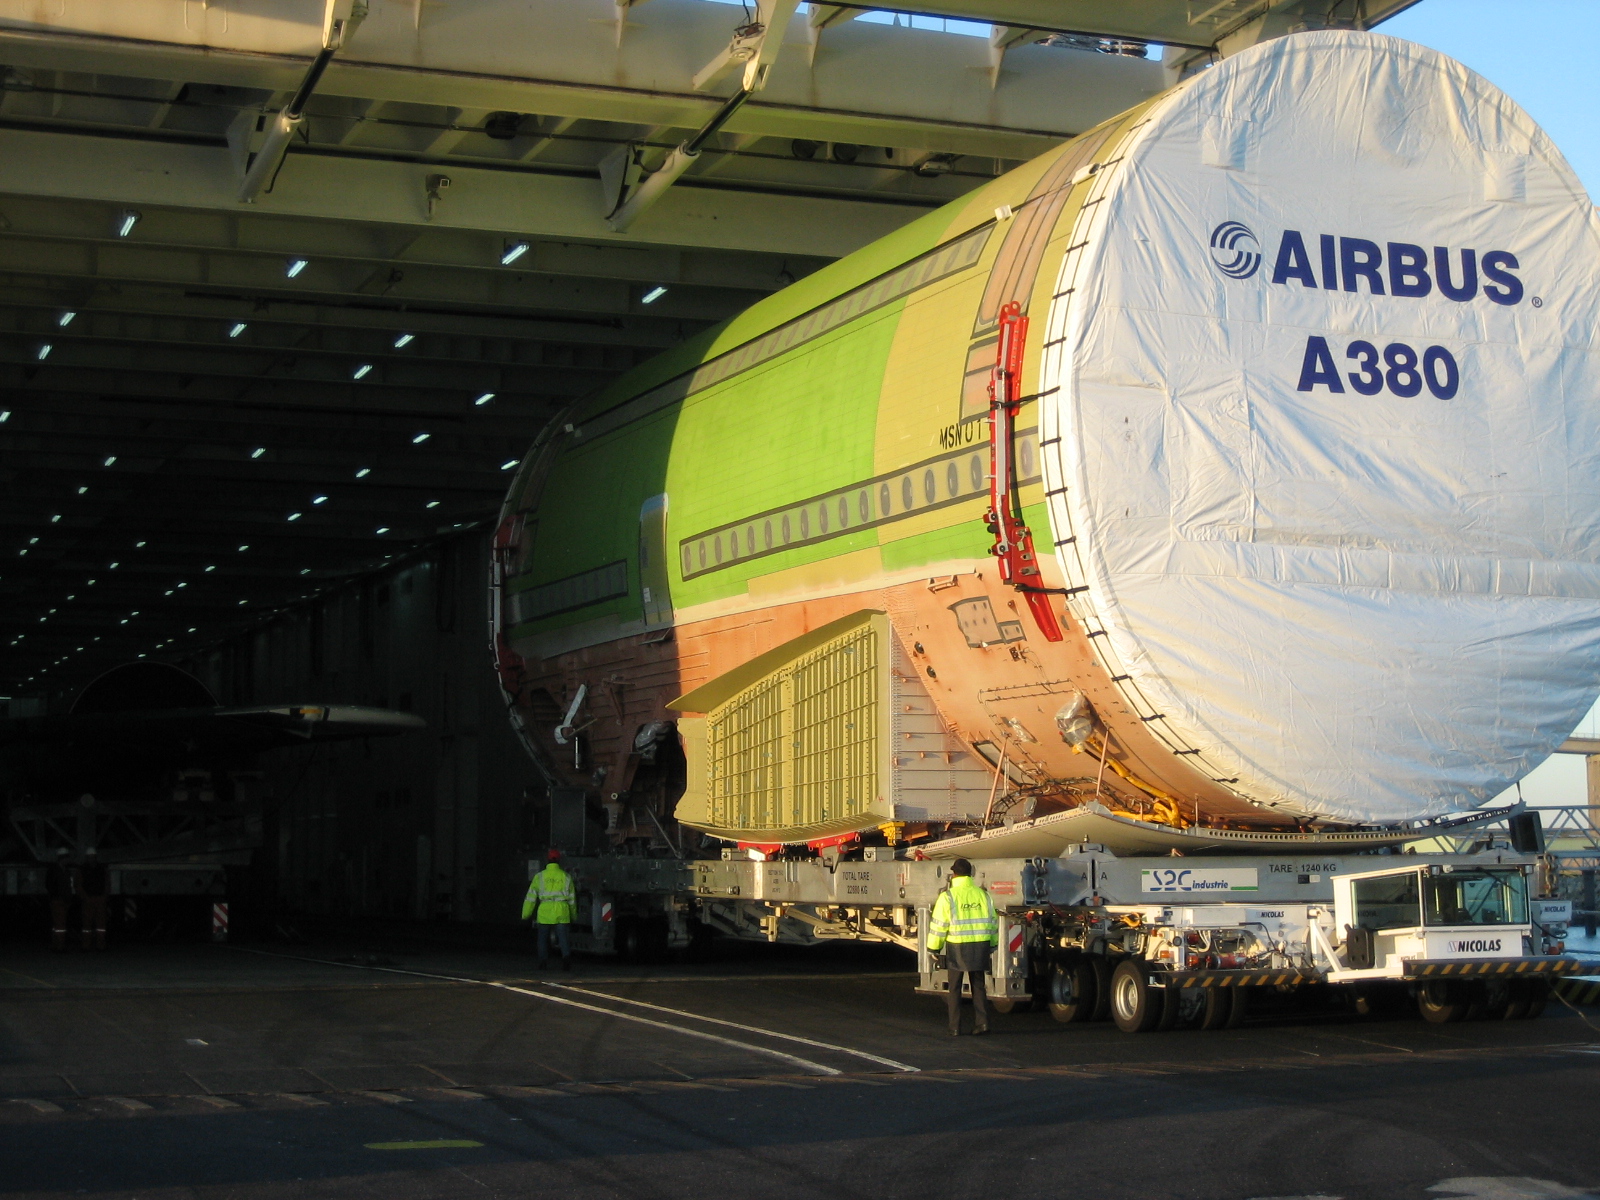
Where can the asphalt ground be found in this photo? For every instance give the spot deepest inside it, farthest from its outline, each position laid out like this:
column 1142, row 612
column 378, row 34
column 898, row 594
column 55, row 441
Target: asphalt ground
column 386, row 1070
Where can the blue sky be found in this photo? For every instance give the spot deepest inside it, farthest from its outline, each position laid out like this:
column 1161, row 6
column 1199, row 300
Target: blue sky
column 1539, row 52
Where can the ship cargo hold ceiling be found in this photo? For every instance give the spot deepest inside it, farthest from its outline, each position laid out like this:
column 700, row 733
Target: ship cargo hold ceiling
column 220, row 396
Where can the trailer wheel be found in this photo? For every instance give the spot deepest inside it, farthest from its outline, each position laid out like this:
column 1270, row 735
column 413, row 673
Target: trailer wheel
column 1011, row 1004
column 1441, row 1001
column 1102, row 988
column 1241, row 1006
column 1218, row 1006
column 1496, row 999
column 1538, row 996
column 1136, row 1007
column 1074, row 994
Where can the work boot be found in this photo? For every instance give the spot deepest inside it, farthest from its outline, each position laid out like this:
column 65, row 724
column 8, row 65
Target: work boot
column 979, row 1029
column 566, row 964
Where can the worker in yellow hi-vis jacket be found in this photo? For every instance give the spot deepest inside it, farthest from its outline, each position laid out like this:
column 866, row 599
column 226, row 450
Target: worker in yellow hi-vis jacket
column 963, row 934
column 552, row 898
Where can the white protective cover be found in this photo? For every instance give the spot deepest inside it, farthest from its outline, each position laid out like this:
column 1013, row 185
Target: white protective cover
column 1370, row 608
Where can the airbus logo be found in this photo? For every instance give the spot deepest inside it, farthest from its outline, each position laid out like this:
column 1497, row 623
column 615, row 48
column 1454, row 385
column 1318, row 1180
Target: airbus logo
column 1327, row 263
column 1235, row 250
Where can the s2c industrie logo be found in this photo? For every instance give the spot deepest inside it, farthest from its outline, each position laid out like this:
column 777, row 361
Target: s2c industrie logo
column 1235, row 250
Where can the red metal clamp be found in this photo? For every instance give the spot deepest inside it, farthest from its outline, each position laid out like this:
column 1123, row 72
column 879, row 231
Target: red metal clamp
column 1013, row 541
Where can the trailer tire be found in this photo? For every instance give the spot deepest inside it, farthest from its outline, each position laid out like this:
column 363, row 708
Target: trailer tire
column 1217, row 1010
column 1074, row 991
column 1102, row 988
column 1241, row 1006
column 1170, row 999
column 1011, row 1004
column 1441, row 1001
column 1538, row 997
column 1136, row 1007
column 629, row 940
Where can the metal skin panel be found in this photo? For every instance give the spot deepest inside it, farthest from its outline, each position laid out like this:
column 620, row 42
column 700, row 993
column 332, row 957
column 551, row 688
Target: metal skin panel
column 838, row 419
column 842, row 414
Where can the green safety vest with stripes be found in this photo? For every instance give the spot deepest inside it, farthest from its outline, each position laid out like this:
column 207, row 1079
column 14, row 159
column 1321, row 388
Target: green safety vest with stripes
column 963, row 912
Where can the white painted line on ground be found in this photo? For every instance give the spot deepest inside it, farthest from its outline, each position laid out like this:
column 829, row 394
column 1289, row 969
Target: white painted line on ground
column 788, row 1037
column 803, row 1063
column 794, row 1060
column 38, row 1106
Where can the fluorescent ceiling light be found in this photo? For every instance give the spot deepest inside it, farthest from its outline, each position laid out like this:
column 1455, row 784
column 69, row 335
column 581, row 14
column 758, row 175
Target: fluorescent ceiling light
column 383, row 529
column 44, row 350
column 652, row 295
column 485, row 398
column 83, row 491
column 238, row 328
column 54, row 518
column 126, row 220
column 513, row 251
column 294, row 516
column 242, row 549
column 363, row 472
column 258, row 452
column 303, row 571
column 404, row 340
column 65, row 319
column 294, row 266
column 319, row 499
column 110, row 459
column 420, row 438
column 362, row 371
column 509, row 463
column 213, row 568
column 433, row 504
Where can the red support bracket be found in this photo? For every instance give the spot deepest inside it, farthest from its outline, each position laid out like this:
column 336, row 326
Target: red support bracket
column 1013, row 541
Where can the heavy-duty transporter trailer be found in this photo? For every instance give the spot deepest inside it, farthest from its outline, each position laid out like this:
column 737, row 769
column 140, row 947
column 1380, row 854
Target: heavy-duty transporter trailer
column 1150, row 943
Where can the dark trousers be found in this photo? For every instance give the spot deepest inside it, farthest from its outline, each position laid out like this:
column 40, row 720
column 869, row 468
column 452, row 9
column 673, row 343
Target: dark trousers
column 563, row 940
column 58, row 922
column 94, row 922
column 980, row 1003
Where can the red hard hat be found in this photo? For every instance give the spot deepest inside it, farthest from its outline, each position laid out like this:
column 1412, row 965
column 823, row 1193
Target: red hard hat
column 553, row 855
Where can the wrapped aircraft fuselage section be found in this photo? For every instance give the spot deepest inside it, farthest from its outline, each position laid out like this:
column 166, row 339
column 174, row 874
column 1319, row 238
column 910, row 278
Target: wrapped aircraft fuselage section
column 1325, row 429
column 1301, row 489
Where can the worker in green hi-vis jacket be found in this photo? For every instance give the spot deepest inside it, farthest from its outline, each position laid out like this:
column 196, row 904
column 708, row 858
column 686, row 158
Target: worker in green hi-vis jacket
column 963, row 934
column 551, row 897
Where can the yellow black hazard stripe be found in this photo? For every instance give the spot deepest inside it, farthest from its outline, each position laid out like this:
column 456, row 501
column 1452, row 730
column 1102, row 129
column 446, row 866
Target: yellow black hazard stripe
column 1188, row 979
column 1579, row 991
column 1433, row 968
